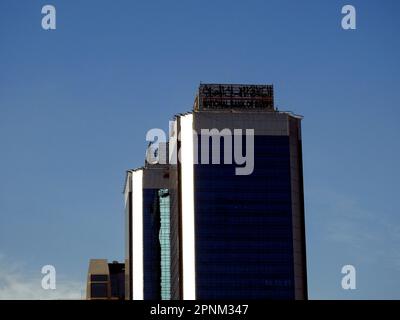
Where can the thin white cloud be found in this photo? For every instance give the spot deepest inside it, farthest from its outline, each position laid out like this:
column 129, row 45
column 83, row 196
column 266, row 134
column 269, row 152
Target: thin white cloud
column 15, row 284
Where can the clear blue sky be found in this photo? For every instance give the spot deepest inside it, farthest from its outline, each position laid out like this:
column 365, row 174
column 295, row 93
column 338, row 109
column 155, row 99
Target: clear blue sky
column 76, row 103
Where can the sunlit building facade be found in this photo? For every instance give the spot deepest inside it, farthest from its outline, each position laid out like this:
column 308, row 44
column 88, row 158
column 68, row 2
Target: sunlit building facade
column 236, row 220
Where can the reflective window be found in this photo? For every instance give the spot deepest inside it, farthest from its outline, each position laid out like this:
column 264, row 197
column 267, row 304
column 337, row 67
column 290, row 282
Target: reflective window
column 98, row 290
column 99, row 277
column 165, row 243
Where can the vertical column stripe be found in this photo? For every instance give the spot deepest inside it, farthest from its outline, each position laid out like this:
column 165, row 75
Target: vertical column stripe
column 137, row 234
column 187, row 196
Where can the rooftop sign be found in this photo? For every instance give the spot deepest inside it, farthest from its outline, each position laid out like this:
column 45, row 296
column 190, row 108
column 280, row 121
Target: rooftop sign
column 234, row 96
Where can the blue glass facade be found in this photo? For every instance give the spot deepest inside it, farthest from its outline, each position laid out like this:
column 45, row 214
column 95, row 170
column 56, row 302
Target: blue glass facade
column 151, row 246
column 243, row 234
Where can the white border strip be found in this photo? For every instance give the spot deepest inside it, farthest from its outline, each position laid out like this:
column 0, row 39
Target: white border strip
column 137, row 234
column 187, row 196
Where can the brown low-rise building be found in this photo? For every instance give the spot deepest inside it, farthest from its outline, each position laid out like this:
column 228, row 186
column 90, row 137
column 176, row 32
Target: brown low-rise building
column 105, row 281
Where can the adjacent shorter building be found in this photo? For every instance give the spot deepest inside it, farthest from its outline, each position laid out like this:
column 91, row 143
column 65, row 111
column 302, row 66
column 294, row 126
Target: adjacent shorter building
column 105, row 281
column 147, row 202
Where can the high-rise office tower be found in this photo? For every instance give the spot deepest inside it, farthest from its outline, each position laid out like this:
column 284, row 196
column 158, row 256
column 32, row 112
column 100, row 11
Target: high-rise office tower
column 236, row 204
